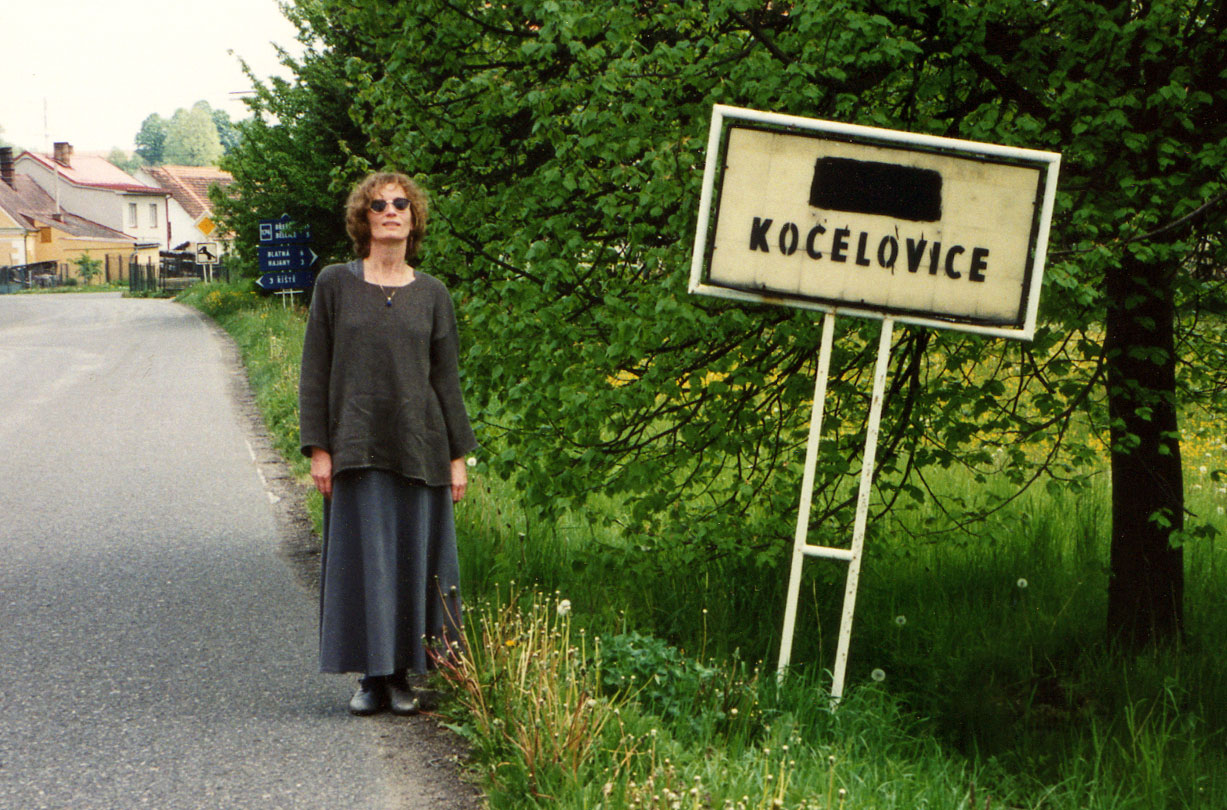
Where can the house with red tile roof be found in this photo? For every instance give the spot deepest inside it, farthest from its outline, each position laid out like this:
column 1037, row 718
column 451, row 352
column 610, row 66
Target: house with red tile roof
column 191, row 212
column 35, row 229
column 94, row 189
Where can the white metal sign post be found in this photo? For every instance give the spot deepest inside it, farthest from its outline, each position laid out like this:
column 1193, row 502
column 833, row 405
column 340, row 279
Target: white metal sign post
column 801, row 548
column 870, row 223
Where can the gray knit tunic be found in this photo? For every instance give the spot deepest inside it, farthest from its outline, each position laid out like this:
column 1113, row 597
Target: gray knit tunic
column 380, row 386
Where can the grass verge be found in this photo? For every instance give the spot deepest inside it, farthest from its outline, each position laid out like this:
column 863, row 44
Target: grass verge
column 977, row 675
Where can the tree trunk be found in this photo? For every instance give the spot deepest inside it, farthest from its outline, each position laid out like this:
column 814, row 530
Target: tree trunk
column 1146, row 589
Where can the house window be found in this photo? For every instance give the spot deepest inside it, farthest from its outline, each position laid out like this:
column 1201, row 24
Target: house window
column 153, row 214
column 131, row 215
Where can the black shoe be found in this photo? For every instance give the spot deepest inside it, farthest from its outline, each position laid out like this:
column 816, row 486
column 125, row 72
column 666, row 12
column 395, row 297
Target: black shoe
column 403, row 701
column 369, row 698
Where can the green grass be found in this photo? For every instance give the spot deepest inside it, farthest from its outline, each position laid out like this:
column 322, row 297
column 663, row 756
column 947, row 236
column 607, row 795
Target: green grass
column 987, row 682
column 991, row 690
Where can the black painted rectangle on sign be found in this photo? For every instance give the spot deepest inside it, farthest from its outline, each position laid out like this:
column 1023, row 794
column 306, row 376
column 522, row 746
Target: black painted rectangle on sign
column 870, row 187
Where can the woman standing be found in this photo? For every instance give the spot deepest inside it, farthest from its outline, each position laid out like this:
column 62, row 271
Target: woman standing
column 384, row 424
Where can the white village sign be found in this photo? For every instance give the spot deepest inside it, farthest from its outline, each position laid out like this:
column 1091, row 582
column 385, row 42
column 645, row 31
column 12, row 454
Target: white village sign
column 870, row 223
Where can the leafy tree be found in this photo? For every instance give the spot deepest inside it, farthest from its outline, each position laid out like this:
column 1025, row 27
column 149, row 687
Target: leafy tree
column 151, row 139
column 87, row 267
column 227, row 132
column 290, row 154
column 191, row 137
column 128, row 162
column 564, row 144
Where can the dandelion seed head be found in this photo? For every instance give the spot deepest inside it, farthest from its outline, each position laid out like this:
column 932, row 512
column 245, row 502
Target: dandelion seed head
column 1022, row 583
column 901, row 620
column 471, row 461
column 878, row 675
column 564, row 607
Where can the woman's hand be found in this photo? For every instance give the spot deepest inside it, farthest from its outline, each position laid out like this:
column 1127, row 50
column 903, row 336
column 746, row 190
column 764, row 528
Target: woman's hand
column 460, row 479
column 321, row 470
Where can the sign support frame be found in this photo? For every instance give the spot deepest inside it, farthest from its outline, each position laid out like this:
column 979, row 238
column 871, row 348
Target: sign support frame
column 801, row 549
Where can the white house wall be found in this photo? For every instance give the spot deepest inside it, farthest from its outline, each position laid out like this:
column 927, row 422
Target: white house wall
column 107, row 207
column 12, row 246
column 182, row 224
column 146, row 231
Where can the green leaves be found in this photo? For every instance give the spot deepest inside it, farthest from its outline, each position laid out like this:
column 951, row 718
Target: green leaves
column 563, row 149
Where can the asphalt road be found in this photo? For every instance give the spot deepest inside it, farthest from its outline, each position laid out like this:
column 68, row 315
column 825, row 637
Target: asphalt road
column 155, row 651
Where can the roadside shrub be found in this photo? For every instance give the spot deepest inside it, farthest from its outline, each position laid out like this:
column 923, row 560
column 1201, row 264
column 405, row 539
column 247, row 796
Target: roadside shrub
column 655, row 673
column 225, row 300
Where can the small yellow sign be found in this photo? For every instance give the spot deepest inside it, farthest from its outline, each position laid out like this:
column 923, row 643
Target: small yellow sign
column 206, row 226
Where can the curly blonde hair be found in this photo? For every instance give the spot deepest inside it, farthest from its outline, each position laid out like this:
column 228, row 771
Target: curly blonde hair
column 359, row 202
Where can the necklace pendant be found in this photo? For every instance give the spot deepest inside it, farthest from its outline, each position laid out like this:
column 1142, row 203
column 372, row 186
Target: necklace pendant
column 389, row 301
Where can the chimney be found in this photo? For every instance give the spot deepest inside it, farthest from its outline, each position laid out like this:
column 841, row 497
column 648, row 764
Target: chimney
column 6, row 165
column 63, row 153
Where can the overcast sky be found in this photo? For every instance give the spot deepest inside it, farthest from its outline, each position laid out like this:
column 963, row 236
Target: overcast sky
column 102, row 68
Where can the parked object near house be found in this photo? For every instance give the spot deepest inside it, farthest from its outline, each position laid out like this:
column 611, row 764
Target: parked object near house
column 28, row 276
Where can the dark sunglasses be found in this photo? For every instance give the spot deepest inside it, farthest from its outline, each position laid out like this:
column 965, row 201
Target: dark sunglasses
column 400, row 204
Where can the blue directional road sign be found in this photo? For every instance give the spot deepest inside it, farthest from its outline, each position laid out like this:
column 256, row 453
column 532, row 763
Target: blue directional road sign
column 286, row 257
column 297, row 280
column 282, row 230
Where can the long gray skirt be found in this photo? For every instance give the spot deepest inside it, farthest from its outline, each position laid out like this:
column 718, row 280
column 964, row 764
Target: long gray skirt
column 390, row 578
